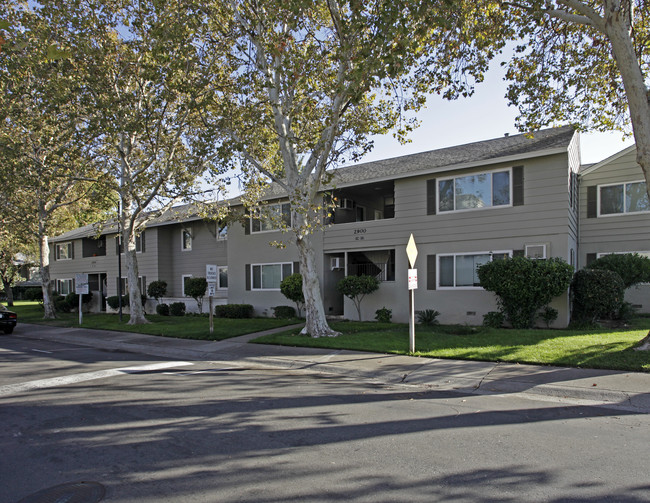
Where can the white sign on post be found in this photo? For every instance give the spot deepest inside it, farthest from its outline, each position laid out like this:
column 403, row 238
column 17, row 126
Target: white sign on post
column 81, row 283
column 413, row 279
column 211, row 273
column 212, row 289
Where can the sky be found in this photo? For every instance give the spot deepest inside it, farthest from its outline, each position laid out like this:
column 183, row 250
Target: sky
column 485, row 115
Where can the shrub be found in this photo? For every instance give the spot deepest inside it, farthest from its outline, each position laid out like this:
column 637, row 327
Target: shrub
column 524, row 285
column 383, row 315
column 548, row 315
column 195, row 288
column 73, row 299
column 177, row 308
column 62, row 305
column 113, row 302
column 428, row 317
column 234, row 311
column 162, row 309
column 284, row 312
column 631, row 267
column 357, row 287
column 596, row 293
column 494, row 319
column 626, row 312
column 291, row 288
column 157, row 290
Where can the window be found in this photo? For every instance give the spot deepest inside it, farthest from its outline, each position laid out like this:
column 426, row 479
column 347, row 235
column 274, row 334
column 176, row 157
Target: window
column 222, row 232
column 460, row 270
column 64, row 251
column 184, row 279
column 139, row 243
column 536, row 251
column 475, row 191
column 141, row 282
column 64, row 286
column 274, row 217
column 622, row 198
column 186, row 240
column 269, row 276
column 222, row 278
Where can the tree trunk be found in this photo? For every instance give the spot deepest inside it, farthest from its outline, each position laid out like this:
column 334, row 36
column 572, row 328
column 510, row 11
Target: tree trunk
column 315, row 322
column 135, row 295
column 644, row 345
column 10, row 294
column 617, row 29
column 48, row 300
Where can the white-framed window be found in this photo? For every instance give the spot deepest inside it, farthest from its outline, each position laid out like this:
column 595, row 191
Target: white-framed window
column 269, row 276
column 222, row 278
column 272, row 217
column 141, row 283
column 184, row 279
column 222, row 232
column 623, row 198
column 186, row 239
column 139, row 238
column 64, row 251
column 64, row 286
column 536, row 251
column 470, row 192
column 459, row 270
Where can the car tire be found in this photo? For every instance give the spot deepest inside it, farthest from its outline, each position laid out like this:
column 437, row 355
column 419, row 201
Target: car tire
column 8, row 330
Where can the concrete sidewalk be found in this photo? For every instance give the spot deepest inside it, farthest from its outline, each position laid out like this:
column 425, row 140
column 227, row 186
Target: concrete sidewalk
column 628, row 390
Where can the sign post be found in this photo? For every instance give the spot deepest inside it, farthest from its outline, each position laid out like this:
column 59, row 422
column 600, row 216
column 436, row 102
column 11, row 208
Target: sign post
column 211, row 278
column 412, row 254
column 81, row 288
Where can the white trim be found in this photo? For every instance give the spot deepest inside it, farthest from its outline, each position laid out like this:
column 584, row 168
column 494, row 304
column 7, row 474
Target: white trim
column 67, row 244
column 478, row 173
column 64, row 280
column 438, row 256
column 262, row 289
column 624, row 212
column 183, row 276
column 266, row 221
column 219, row 268
column 532, row 245
column 185, row 230
column 610, row 159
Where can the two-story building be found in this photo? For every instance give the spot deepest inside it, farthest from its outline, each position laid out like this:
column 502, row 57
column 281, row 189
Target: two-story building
column 464, row 205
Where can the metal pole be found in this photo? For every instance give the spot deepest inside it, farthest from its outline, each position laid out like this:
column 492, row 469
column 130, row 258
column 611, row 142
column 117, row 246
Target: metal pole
column 81, row 316
column 211, row 314
column 412, row 322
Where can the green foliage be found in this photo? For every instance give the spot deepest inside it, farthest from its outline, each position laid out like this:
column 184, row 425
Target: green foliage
column 494, row 319
column 626, row 312
column 383, row 315
column 177, row 309
column 162, row 309
column 33, row 293
column 195, row 288
column 458, row 329
column 548, row 315
column 428, row 317
column 284, row 312
column 291, row 288
column 357, row 287
column 631, row 267
column 234, row 311
column 596, row 293
column 157, row 290
column 524, row 285
column 114, row 302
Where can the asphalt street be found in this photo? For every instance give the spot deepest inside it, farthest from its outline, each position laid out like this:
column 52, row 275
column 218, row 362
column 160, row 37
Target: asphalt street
column 152, row 429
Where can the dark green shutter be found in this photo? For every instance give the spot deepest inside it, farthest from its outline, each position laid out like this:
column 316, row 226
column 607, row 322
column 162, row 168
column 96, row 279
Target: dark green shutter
column 431, row 272
column 518, row 253
column 431, row 196
column 248, row 276
column 592, row 202
column 590, row 258
column 296, row 267
column 142, row 242
column 518, row 186
column 247, row 226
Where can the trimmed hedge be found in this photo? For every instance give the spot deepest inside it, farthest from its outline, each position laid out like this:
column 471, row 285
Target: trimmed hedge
column 162, row 309
column 284, row 312
column 596, row 293
column 234, row 311
column 177, row 309
column 113, row 301
column 631, row 267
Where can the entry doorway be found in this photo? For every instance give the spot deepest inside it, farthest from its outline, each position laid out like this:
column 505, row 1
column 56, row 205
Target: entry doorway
column 97, row 286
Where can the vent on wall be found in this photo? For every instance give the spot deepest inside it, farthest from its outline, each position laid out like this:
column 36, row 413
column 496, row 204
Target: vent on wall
column 336, row 263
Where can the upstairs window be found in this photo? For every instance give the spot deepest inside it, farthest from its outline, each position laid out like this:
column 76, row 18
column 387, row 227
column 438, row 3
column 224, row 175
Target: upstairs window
column 272, row 217
column 623, row 198
column 64, row 251
column 470, row 192
column 186, row 240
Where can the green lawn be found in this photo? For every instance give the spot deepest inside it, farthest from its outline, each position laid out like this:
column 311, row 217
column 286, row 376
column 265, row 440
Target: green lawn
column 183, row 327
column 597, row 348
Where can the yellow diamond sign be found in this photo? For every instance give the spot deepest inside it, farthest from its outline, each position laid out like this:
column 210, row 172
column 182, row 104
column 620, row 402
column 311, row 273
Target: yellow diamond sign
column 411, row 251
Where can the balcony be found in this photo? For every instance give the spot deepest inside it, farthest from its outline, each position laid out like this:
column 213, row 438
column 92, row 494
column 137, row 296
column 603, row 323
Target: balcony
column 364, row 203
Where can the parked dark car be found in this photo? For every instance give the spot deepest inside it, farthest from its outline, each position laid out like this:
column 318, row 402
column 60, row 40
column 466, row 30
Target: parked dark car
column 8, row 319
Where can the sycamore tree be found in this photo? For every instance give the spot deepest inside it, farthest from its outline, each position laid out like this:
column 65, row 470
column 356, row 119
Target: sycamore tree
column 584, row 61
column 145, row 82
column 45, row 177
column 314, row 79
